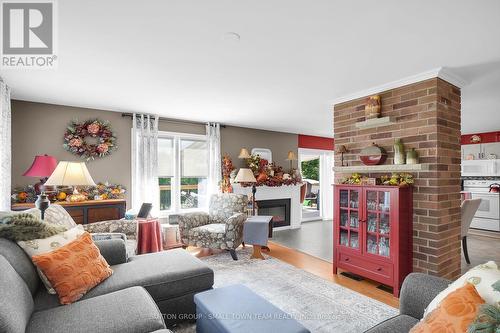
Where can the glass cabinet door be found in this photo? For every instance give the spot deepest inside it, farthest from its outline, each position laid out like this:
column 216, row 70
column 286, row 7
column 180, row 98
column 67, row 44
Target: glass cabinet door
column 378, row 222
column 349, row 218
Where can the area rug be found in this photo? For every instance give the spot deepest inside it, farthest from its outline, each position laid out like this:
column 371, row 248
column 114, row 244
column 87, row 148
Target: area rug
column 318, row 304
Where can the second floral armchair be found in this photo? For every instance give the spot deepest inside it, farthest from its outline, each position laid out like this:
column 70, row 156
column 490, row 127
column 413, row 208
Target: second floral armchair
column 220, row 228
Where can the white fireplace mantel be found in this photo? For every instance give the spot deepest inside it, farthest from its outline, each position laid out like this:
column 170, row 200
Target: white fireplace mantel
column 291, row 192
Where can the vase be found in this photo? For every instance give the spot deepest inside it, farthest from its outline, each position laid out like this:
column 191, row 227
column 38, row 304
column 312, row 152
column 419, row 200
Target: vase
column 412, row 156
column 372, row 107
column 399, row 152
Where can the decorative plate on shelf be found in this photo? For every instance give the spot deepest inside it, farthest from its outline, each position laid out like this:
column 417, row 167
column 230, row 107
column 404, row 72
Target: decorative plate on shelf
column 373, row 155
column 475, row 138
column 492, row 157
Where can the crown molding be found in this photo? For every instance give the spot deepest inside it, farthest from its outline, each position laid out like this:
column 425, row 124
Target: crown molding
column 440, row 72
column 447, row 74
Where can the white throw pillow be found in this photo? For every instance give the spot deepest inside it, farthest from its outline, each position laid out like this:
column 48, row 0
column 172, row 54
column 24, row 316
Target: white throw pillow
column 44, row 245
column 56, row 214
column 482, row 277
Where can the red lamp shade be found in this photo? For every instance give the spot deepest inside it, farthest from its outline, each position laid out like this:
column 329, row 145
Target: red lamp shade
column 42, row 166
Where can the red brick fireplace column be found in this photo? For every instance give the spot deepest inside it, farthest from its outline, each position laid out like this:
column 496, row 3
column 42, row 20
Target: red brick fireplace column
column 426, row 116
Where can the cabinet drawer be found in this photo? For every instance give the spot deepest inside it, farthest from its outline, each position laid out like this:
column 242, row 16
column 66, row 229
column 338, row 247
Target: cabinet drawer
column 102, row 214
column 76, row 214
column 380, row 271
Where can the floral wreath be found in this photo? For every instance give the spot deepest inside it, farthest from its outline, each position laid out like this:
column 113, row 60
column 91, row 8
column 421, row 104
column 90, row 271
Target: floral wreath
column 76, row 132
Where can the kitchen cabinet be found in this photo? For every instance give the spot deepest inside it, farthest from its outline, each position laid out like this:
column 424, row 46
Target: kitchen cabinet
column 481, row 150
column 491, row 148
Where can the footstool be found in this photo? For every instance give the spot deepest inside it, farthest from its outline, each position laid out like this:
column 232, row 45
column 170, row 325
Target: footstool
column 237, row 309
column 256, row 232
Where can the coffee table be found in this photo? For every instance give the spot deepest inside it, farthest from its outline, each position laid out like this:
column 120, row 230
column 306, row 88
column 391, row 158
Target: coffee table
column 256, row 233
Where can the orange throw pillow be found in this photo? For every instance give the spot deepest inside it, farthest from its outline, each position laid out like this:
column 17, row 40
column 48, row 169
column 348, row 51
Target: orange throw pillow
column 454, row 314
column 74, row 268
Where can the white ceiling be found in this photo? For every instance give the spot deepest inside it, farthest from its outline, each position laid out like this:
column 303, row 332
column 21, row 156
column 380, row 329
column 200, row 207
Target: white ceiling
column 294, row 57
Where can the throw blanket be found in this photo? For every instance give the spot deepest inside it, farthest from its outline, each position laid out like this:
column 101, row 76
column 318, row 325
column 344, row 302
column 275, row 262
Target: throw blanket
column 25, row 227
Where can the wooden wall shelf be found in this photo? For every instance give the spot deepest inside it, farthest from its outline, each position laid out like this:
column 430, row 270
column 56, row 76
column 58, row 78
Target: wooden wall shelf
column 382, row 168
column 375, row 122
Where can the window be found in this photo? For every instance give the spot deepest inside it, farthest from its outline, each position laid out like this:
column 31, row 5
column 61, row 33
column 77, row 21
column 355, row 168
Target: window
column 182, row 171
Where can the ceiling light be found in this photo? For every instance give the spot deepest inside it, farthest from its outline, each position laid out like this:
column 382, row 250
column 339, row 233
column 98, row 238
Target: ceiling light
column 232, row 37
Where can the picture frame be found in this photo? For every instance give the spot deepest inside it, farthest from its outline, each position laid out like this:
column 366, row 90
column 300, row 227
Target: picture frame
column 264, row 153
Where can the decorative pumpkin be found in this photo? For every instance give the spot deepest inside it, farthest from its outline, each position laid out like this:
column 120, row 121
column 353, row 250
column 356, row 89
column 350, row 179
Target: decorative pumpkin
column 262, row 177
column 22, row 196
column 61, row 196
column 76, row 197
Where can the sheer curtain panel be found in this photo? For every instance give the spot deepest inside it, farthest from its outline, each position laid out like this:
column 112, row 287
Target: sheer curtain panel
column 145, row 161
column 5, row 146
column 214, row 158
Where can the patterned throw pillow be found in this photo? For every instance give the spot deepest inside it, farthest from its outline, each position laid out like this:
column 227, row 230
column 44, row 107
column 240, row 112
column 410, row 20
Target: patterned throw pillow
column 39, row 246
column 482, row 277
column 56, row 214
column 74, row 268
column 32, row 211
column 24, row 227
column 454, row 314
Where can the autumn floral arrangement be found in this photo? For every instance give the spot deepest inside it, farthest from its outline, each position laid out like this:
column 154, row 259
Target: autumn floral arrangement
column 270, row 174
column 227, row 169
column 396, row 179
column 102, row 191
column 75, row 139
column 23, row 194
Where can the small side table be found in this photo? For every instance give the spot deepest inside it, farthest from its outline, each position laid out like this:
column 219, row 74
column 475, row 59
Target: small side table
column 171, row 237
column 256, row 232
column 149, row 236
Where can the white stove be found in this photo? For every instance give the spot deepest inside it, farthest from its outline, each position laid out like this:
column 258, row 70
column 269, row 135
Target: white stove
column 488, row 214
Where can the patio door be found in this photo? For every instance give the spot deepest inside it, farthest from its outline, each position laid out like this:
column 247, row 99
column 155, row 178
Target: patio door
column 316, row 169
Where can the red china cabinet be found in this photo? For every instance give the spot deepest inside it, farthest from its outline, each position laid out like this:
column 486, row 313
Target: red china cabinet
column 373, row 232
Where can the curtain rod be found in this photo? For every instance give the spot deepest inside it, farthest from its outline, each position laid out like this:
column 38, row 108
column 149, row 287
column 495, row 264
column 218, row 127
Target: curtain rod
column 172, row 120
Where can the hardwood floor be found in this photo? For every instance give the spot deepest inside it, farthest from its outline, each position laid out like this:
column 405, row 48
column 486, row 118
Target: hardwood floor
column 324, row 269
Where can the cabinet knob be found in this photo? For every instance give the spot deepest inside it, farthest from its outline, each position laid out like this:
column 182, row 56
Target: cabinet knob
column 379, row 269
column 346, row 259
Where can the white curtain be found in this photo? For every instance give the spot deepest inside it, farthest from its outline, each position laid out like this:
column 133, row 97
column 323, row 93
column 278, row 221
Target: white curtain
column 326, row 181
column 214, row 158
column 5, row 146
column 145, row 162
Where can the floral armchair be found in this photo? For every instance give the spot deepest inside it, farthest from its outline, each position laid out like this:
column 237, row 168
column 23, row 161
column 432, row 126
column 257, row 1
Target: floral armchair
column 115, row 229
column 220, row 228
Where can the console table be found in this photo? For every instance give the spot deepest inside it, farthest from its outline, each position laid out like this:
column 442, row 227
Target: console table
column 85, row 212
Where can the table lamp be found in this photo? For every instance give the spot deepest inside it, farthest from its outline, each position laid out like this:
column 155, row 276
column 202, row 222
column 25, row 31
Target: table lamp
column 244, row 153
column 341, row 149
column 246, row 176
column 69, row 174
column 291, row 157
column 42, row 167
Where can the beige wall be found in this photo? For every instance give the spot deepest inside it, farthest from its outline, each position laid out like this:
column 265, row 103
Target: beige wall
column 38, row 129
column 233, row 138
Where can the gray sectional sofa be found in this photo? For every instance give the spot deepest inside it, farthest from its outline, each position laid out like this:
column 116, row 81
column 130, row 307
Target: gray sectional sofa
column 144, row 293
column 417, row 292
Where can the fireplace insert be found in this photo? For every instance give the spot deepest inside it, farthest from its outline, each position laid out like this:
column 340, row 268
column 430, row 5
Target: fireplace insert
column 279, row 209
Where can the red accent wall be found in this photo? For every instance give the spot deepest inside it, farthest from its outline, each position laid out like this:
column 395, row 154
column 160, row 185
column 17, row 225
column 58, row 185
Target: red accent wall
column 485, row 138
column 316, row 142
